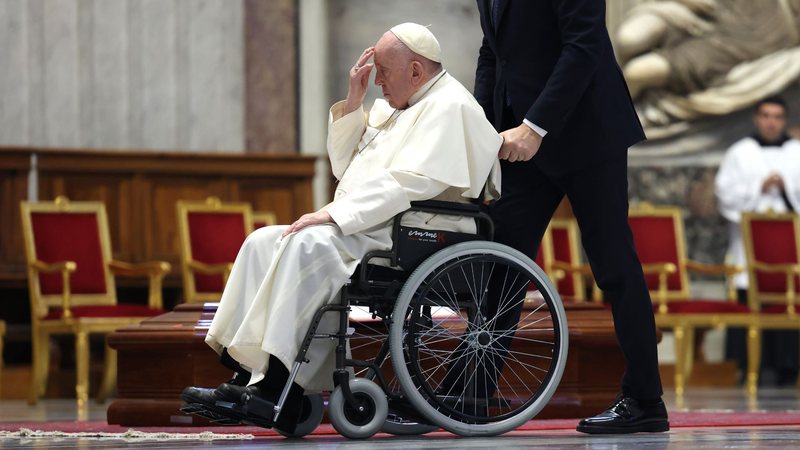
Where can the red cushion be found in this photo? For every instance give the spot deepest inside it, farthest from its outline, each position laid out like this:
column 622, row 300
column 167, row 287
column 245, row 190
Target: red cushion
column 215, row 238
column 777, row 309
column 656, row 242
column 774, row 241
column 70, row 237
column 125, row 310
column 704, row 307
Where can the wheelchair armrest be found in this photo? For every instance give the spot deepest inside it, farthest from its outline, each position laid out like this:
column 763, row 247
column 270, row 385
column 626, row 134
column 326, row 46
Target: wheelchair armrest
column 442, row 207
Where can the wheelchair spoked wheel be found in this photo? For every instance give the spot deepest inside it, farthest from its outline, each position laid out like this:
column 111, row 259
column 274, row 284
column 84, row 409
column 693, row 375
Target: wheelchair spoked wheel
column 366, row 337
column 479, row 339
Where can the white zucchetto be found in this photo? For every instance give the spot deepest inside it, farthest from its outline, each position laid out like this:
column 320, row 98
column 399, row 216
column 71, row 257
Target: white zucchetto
column 419, row 39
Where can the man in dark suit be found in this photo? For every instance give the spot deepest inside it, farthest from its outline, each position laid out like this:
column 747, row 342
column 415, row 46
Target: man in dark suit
column 548, row 80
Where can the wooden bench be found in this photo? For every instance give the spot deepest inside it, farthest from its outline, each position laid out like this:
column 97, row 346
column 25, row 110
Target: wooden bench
column 163, row 355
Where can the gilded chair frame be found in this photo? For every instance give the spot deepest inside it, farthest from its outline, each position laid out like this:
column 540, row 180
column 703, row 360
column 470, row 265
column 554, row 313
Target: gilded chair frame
column 684, row 324
column 579, row 271
column 189, row 265
column 266, row 217
column 81, row 327
column 756, row 298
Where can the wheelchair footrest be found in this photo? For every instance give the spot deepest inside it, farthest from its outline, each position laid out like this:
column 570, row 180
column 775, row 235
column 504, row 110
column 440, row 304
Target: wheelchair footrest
column 206, row 412
column 257, row 409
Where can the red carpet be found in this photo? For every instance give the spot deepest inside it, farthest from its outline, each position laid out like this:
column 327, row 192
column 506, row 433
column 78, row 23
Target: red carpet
column 677, row 420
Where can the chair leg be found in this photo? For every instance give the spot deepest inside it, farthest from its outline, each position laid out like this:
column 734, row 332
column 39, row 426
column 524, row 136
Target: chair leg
column 753, row 358
column 109, row 375
column 688, row 354
column 40, row 362
column 82, row 367
column 680, row 360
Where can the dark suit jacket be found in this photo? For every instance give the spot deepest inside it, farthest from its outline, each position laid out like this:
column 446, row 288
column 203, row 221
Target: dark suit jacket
column 554, row 59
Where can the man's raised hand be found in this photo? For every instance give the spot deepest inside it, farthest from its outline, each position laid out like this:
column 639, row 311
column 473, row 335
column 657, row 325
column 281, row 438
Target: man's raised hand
column 359, row 80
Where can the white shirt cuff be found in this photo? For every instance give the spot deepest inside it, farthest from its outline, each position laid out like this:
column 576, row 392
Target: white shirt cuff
column 536, row 129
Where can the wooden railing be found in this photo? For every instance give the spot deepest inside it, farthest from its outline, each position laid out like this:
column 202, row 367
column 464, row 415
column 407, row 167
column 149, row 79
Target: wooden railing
column 140, row 189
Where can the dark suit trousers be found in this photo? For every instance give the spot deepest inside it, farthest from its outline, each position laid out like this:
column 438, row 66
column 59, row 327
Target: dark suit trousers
column 599, row 199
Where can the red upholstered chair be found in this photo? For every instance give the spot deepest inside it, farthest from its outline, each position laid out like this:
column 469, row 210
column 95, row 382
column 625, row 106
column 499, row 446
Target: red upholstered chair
column 211, row 233
column 72, row 291
column 565, row 237
column 264, row 219
column 659, row 238
column 772, row 249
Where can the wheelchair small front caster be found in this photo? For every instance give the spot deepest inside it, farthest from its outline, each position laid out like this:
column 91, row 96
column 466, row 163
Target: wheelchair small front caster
column 366, row 418
column 310, row 416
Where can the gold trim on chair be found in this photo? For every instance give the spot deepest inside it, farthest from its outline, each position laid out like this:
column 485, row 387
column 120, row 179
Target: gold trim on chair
column 67, row 300
column 189, row 265
column 574, row 268
column 684, row 324
column 268, row 218
column 757, row 298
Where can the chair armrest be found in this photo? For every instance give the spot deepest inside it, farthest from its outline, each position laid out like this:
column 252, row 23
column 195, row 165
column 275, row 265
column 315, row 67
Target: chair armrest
column 728, row 270
column 584, row 270
column 663, row 270
column 791, row 270
column 713, row 269
column 155, row 271
column 210, row 269
column 66, row 268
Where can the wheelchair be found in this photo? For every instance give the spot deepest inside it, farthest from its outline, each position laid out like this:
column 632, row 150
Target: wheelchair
column 471, row 337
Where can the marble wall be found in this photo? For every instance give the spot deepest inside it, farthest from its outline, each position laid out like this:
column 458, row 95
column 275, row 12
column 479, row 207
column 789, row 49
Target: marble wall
column 146, row 74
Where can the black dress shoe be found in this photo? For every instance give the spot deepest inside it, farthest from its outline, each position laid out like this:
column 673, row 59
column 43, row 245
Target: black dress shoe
column 199, row 395
column 628, row 415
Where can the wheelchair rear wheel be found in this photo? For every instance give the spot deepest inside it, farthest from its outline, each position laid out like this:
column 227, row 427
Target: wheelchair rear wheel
column 478, row 338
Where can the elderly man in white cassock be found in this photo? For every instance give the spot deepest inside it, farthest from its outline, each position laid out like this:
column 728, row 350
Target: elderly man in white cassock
column 429, row 139
column 761, row 173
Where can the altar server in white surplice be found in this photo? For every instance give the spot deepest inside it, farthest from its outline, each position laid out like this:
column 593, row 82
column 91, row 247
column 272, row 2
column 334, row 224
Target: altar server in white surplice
column 761, row 173
column 429, row 139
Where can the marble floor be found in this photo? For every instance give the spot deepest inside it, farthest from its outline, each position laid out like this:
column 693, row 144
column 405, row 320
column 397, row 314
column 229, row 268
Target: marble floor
column 698, row 399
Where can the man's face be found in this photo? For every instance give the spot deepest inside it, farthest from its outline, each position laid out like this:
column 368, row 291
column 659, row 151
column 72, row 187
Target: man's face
column 393, row 73
column 770, row 120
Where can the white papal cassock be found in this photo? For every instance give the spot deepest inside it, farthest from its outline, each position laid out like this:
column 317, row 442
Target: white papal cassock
column 738, row 187
column 440, row 147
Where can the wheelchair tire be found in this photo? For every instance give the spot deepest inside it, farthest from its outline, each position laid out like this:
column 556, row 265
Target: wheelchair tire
column 358, row 424
column 479, row 338
column 310, row 417
column 400, row 427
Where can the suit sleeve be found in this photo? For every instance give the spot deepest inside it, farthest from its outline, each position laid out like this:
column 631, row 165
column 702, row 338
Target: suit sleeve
column 583, row 34
column 485, row 79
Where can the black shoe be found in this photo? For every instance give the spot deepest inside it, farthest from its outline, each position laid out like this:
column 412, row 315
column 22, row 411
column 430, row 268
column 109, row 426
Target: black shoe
column 258, row 404
column 627, row 415
column 199, row 395
column 230, row 392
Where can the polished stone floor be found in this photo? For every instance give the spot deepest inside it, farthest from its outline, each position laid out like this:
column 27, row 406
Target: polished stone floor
column 698, row 399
